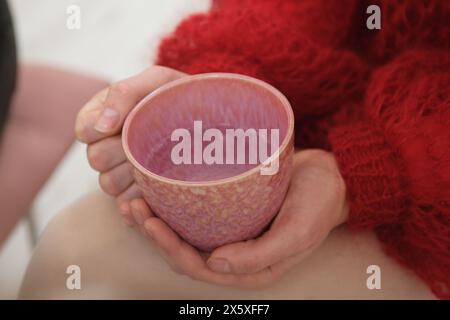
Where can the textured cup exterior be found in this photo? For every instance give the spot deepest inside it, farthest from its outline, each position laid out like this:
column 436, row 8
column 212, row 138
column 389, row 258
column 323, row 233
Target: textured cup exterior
column 208, row 216
column 209, row 213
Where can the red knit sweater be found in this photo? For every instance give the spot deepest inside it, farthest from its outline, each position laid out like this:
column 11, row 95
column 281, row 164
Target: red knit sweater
column 380, row 100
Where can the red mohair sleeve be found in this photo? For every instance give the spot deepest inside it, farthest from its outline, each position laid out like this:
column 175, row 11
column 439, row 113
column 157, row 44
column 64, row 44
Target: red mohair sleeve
column 396, row 163
column 390, row 135
column 277, row 41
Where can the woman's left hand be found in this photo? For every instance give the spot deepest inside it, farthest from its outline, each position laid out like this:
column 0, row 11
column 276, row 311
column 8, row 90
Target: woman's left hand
column 315, row 205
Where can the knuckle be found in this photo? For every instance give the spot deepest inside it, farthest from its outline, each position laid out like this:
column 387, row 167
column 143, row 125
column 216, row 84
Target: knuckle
column 121, row 88
column 268, row 278
column 107, row 183
column 166, row 72
column 122, row 198
column 301, row 237
column 251, row 263
column 120, row 201
column 95, row 158
column 80, row 129
column 305, row 240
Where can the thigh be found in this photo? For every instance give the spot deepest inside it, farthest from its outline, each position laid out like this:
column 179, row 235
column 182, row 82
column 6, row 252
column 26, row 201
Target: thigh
column 117, row 262
column 38, row 133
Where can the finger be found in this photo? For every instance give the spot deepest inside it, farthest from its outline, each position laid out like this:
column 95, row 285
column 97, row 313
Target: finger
column 141, row 211
column 125, row 212
column 302, row 222
column 185, row 259
column 133, row 192
column 287, row 264
column 106, row 154
column 103, row 116
column 259, row 280
column 117, row 180
column 89, row 113
column 140, row 228
column 124, row 95
column 271, row 274
column 281, row 241
column 180, row 255
column 128, row 219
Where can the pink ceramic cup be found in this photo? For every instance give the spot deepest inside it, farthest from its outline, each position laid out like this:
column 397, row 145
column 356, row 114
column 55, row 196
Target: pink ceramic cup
column 210, row 204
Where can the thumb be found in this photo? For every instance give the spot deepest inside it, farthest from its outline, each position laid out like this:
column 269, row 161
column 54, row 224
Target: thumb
column 103, row 115
column 282, row 241
column 309, row 212
column 124, row 95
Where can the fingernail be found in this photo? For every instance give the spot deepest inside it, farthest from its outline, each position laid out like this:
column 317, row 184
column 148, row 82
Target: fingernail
column 219, row 265
column 108, row 120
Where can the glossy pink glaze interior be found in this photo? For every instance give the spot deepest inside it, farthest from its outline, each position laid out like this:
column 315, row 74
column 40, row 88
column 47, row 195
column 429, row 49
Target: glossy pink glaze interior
column 220, row 103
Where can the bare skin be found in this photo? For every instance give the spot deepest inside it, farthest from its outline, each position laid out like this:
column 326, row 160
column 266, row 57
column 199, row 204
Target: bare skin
column 119, row 263
column 315, row 204
column 33, row 142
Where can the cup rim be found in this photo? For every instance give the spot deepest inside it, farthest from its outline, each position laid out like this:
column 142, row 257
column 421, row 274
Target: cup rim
column 197, row 77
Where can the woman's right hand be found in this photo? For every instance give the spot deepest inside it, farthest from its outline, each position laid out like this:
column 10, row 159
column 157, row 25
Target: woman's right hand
column 315, row 204
column 99, row 125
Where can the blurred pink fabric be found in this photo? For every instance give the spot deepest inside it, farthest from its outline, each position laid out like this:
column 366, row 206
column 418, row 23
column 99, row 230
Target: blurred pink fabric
column 38, row 133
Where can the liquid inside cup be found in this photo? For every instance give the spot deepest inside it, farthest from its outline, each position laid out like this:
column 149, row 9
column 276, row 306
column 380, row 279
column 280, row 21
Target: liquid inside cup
column 220, row 103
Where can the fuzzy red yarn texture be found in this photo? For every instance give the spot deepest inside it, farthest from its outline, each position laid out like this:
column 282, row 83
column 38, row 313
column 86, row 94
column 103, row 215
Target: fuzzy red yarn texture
column 409, row 24
column 380, row 100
